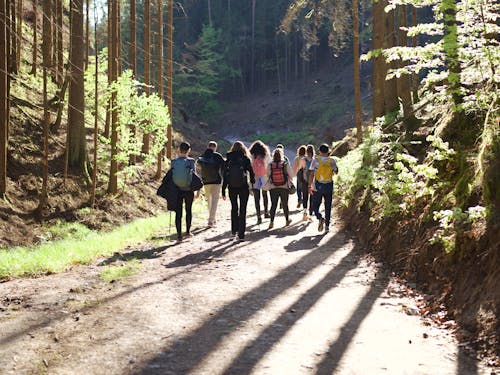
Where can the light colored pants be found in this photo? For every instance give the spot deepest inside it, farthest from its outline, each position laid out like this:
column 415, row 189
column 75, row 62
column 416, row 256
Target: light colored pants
column 212, row 192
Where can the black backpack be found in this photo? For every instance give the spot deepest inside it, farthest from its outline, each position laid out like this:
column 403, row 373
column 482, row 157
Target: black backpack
column 209, row 169
column 236, row 174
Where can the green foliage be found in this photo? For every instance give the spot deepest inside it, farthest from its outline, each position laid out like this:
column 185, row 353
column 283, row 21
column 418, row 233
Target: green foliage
column 290, row 137
column 114, row 273
column 198, row 84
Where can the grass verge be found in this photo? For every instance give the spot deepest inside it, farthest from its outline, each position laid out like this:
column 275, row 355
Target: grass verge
column 113, row 273
column 56, row 256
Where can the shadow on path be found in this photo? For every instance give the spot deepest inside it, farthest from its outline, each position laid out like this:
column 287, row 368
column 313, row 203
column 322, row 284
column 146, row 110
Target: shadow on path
column 188, row 352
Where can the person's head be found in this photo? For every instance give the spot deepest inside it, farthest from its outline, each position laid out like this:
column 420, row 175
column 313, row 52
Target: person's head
column 278, row 155
column 301, row 151
column 324, row 149
column 184, row 148
column 258, row 148
column 239, row 146
column 310, row 151
column 279, row 145
column 212, row 145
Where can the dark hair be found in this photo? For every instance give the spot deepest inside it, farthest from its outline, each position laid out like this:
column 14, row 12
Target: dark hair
column 310, row 151
column 239, row 146
column 301, row 151
column 324, row 148
column 212, row 144
column 184, row 146
column 278, row 155
column 279, row 145
column 258, row 148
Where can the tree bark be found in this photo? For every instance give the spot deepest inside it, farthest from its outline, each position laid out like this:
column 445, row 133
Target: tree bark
column 42, row 204
column 160, row 73
column 391, row 89
column 252, row 59
column 4, row 95
column 47, row 35
column 19, row 33
column 147, row 62
column 170, row 68
column 35, row 37
column 450, row 46
column 13, row 38
column 96, row 117
column 60, row 43
column 414, row 79
column 357, row 83
column 379, row 66
column 113, row 172
column 87, row 33
column 77, row 153
column 209, row 13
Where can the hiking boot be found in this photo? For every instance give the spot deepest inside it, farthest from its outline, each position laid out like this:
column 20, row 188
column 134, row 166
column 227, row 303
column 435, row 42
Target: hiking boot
column 240, row 239
column 259, row 220
column 321, row 225
column 271, row 225
column 288, row 222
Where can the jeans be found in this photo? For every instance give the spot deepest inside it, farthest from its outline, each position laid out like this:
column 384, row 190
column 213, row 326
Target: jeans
column 306, row 197
column 300, row 192
column 323, row 191
column 239, row 213
column 212, row 192
column 256, row 197
column 187, row 198
column 276, row 194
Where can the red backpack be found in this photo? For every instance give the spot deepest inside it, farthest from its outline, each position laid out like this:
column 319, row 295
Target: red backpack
column 259, row 166
column 278, row 175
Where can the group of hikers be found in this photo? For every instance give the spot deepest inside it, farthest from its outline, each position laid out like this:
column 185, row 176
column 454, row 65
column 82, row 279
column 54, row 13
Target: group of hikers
column 257, row 171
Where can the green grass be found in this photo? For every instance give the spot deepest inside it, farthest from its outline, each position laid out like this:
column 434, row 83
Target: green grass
column 81, row 245
column 113, row 273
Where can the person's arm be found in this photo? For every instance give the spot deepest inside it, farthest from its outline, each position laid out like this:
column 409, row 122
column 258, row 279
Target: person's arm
column 312, row 175
column 335, row 168
column 224, row 181
column 289, row 172
column 250, row 170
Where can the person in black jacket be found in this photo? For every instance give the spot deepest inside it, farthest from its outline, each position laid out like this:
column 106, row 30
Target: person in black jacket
column 211, row 165
column 236, row 172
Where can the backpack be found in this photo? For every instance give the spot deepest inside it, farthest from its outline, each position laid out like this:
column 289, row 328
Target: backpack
column 278, row 174
column 182, row 173
column 324, row 173
column 259, row 166
column 236, row 174
column 209, row 169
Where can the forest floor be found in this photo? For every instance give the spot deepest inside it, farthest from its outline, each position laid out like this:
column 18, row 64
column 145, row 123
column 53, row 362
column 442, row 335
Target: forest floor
column 287, row 301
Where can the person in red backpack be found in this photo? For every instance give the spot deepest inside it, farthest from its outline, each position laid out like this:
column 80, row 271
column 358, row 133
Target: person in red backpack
column 279, row 175
column 261, row 157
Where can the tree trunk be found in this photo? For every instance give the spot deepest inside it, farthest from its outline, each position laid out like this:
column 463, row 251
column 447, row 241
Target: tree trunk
column 13, row 38
column 87, row 33
column 77, row 153
column 113, row 172
column 110, row 63
column 45, row 152
column 47, row 36
column 4, row 95
column 133, row 58
column 403, row 82
column 96, row 117
column 147, row 62
column 209, row 13
column 391, row 89
column 160, row 73
column 252, row 59
column 379, row 66
column 414, row 79
column 170, row 68
column 357, row 84
column 35, row 38
column 450, row 46
column 19, row 33
column 60, row 42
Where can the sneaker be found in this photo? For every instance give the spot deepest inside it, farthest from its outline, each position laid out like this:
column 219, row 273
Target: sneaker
column 179, row 239
column 321, row 224
column 210, row 224
column 271, row 225
column 327, row 229
column 299, row 203
column 259, row 220
column 240, row 239
column 288, row 222
column 188, row 235
column 266, row 215
column 305, row 216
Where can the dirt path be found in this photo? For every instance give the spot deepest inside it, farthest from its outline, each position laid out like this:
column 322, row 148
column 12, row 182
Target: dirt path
column 287, row 301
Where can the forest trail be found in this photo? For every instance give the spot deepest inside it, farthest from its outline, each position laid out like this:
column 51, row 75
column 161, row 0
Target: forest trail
column 286, row 301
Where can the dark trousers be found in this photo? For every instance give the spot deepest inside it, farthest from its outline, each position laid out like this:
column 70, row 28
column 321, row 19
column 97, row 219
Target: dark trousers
column 187, row 198
column 300, row 192
column 306, row 197
column 239, row 212
column 256, row 197
column 276, row 194
column 323, row 191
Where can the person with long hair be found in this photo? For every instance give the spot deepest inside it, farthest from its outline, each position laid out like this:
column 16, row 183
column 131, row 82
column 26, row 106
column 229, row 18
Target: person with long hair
column 279, row 175
column 261, row 157
column 303, row 175
column 237, row 170
column 301, row 153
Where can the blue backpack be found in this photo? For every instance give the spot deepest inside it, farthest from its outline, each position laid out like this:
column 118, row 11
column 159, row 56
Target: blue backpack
column 182, row 173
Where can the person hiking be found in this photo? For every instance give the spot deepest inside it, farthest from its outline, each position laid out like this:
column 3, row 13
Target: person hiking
column 303, row 175
column 282, row 148
column 211, row 165
column 322, row 168
column 301, row 152
column 279, row 174
column 236, row 171
column 260, row 160
column 183, row 168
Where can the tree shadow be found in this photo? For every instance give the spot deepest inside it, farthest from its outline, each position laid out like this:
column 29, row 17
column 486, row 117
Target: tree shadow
column 187, row 352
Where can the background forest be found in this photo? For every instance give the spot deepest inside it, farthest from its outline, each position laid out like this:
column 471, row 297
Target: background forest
column 95, row 95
